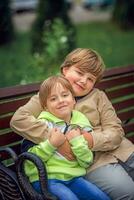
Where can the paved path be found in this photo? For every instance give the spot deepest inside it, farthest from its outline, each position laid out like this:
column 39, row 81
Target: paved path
column 79, row 14
column 24, row 20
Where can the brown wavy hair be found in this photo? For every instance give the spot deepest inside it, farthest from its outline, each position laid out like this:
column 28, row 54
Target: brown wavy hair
column 48, row 84
column 87, row 60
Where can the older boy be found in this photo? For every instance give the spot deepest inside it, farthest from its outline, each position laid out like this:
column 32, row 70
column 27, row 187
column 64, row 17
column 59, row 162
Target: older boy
column 83, row 68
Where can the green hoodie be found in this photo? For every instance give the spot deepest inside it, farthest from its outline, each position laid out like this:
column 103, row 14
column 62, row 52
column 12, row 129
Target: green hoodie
column 58, row 167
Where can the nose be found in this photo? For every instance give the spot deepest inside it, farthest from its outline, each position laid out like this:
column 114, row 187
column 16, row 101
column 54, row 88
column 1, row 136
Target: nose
column 60, row 99
column 83, row 80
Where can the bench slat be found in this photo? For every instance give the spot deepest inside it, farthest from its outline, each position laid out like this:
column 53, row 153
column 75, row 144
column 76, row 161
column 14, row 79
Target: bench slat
column 131, row 139
column 124, row 116
column 9, row 138
column 12, row 105
column 120, row 92
column 5, row 121
column 106, row 84
column 128, row 128
column 19, row 90
column 124, row 104
column 118, row 71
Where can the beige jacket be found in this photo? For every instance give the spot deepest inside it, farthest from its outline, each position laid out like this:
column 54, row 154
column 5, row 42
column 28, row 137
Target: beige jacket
column 108, row 135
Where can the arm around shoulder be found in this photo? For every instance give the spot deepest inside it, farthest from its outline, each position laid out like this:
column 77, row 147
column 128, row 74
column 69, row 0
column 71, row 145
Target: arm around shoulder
column 25, row 122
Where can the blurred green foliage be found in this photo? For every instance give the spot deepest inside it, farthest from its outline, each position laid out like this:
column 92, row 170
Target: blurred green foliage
column 56, row 47
column 16, row 61
column 47, row 12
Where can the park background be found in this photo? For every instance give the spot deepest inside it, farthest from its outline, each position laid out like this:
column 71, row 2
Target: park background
column 26, row 55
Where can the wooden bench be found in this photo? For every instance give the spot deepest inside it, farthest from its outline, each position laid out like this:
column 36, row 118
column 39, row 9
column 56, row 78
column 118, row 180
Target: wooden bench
column 118, row 83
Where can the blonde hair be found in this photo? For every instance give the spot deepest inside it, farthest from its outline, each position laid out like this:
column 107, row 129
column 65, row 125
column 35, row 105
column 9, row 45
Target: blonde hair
column 48, row 84
column 87, row 60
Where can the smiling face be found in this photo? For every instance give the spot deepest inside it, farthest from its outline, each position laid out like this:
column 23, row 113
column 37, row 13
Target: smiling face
column 60, row 102
column 83, row 68
column 81, row 82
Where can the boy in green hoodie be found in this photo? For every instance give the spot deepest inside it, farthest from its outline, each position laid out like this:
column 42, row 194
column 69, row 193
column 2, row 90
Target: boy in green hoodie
column 65, row 177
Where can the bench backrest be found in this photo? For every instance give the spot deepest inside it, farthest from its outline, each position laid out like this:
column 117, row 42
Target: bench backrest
column 118, row 83
column 11, row 98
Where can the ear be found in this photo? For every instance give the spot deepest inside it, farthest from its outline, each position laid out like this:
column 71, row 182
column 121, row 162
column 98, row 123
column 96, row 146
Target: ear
column 64, row 70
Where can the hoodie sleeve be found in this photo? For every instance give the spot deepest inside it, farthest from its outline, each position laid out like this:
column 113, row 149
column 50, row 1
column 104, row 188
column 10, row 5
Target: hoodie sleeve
column 44, row 150
column 81, row 150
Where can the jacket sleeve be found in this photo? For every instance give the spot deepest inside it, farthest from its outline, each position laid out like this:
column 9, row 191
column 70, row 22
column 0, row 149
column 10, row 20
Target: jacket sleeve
column 109, row 134
column 44, row 150
column 82, row 152
column 25, row 122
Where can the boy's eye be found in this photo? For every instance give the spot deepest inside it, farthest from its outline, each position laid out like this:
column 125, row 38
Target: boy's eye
column 65, row 95
column 80, row 73
column 53, row 99
column 91, row 79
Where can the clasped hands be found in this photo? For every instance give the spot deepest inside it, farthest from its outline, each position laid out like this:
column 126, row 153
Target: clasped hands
column 61, row 141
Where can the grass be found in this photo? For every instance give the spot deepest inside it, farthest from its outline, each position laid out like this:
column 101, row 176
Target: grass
column 14, row 60
column 115, row 46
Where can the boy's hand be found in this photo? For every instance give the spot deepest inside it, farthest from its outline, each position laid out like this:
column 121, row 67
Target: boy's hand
column 56, row 137
column 66, row 151
column 73, row 133
column 88, row 137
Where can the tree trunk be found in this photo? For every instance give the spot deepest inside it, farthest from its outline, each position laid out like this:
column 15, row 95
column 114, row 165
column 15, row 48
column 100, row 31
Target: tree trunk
column 123, row 13
column 6, row 26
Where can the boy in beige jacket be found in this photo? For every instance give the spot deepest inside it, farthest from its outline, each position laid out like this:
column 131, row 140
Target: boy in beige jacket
column 83, row 68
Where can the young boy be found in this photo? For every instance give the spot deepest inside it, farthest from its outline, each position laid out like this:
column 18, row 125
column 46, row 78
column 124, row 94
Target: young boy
column 83, row 68
column 64, row 177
